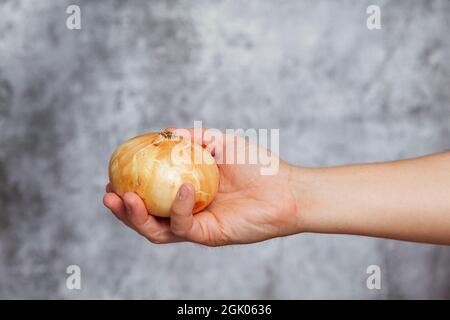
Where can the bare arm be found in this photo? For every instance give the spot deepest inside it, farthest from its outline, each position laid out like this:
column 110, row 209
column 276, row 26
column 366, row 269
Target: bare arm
column 405, row 200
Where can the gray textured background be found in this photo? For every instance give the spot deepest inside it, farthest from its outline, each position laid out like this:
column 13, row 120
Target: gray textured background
column 339, row 92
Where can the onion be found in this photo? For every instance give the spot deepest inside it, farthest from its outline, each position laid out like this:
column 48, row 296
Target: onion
column 154, row 166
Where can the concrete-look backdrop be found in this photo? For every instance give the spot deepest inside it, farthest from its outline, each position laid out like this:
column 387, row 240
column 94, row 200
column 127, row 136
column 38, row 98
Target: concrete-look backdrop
column 338, row 92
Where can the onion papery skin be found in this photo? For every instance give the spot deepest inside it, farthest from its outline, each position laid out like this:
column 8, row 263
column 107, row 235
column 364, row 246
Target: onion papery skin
column 144, row 165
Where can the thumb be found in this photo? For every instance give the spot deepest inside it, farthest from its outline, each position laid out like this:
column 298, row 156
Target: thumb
column 181, row 218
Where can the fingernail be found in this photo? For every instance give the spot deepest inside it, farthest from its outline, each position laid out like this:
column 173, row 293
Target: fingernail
column 128, row 208
column 182, row 193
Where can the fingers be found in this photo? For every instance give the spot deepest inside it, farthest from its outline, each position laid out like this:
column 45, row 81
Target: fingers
column 113, row 202
column 132, row 212
column 182, row 221
column 135, row 210
column 144, row 223
column 181, row 218
column 182, row 225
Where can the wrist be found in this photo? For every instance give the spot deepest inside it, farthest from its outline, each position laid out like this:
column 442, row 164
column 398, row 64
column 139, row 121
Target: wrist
column 317, row 202
column 304, row 184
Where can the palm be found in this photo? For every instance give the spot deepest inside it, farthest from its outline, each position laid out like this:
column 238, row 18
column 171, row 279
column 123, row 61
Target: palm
column 249, row 207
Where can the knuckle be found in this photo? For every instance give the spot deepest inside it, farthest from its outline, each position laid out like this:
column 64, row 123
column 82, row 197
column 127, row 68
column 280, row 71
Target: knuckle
column 181, row 232
column 212, row 245
column 215, row 243
column 155, row 240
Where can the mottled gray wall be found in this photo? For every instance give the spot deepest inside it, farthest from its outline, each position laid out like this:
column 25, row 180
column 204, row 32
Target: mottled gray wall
column 339, row 92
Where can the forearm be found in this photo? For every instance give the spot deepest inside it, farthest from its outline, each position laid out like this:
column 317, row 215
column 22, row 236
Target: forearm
column 407, row 200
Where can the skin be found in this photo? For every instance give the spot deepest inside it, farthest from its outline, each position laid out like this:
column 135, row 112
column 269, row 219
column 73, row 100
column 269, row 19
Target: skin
column 404, row 200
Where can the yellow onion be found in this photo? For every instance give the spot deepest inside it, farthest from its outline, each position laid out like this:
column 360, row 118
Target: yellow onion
column 146, row 165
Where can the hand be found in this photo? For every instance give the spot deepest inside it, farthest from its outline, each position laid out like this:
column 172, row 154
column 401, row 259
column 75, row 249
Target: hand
column 249, row 206
column 405, row 200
